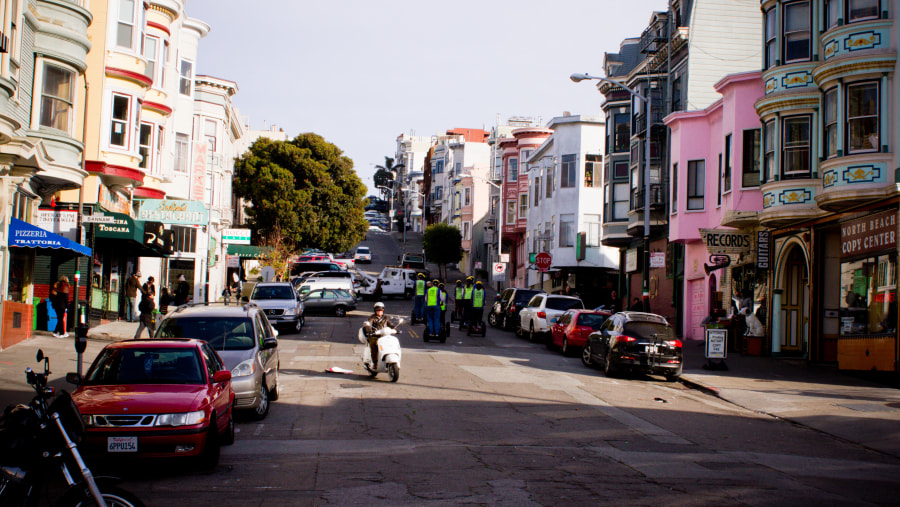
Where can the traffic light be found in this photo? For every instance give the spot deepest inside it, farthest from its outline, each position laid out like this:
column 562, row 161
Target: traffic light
column 580, row 246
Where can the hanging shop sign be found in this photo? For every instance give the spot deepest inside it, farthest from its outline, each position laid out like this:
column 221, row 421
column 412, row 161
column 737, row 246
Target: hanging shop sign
column 62, row 223
column 236, row 236
column 726, row 241
column 170, row 211
column 631, row 260
column 874, row 233
column 762, row 249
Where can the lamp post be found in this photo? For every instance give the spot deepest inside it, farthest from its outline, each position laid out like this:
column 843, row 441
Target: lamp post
column 646, row 99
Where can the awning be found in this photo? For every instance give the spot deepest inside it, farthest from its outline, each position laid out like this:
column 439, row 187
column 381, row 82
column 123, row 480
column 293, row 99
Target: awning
column 248, row 251
column 23, row 234
column 125, row 235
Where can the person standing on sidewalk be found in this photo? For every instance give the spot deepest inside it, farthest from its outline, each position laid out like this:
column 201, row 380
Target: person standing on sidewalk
column 182, row 291
column 419, row 302
column 147, row 306
column 60, row 301
column 132, row 285
column 149, row 287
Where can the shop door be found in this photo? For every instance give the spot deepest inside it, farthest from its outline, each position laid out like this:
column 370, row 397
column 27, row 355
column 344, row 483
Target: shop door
column 698, row 309
column 795, row 305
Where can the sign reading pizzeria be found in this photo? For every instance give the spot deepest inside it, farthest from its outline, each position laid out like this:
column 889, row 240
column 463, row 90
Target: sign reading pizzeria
column 874, row 233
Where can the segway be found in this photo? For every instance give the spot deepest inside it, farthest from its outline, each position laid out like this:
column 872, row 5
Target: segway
column 441, row 335
column 412, row 318
column 478, row 328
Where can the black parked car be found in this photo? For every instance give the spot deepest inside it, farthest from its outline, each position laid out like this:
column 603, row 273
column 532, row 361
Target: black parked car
column 635, row 341
column 505, row 310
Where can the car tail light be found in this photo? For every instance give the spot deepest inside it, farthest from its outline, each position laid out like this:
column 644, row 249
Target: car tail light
column 673, row 361
column 627, row 358
column 542, row 315
column 674, row 343
column 627, row 339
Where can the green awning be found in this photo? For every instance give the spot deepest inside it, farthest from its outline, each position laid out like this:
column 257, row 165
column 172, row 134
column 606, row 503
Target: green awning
column 248, row 251
column 125, row 236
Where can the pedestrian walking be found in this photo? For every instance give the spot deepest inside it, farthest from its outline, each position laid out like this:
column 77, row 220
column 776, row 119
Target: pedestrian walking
column 149, row 287
column 165, row 299
column 132, row 286
column 59, row 299
column 146, row 319
column 182, row 291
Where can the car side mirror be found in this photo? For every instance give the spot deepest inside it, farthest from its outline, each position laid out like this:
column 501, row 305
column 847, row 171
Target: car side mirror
column 553, row 320
column 73, row 378
column 221, row 376
column 269, row 343
column 245, row 299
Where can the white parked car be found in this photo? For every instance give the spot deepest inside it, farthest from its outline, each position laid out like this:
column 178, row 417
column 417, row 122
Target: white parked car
column 534, row 319
column 363, row 255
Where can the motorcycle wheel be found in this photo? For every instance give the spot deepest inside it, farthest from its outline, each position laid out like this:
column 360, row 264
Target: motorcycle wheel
column 393, row 371
column 80, row 496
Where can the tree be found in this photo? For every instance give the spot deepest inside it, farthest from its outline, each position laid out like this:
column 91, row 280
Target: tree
column 304, row 189
column 385, row 174
column 443, row 245
column 279, row 252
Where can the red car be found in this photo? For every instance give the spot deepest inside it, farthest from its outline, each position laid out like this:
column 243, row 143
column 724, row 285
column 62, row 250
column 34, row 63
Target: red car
column 156, row 398
column 571, row 330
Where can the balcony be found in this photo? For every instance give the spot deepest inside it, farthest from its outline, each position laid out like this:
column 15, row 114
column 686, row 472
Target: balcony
column 790, row 201
column 652, row 40
column 657, row 198
column 854, row 180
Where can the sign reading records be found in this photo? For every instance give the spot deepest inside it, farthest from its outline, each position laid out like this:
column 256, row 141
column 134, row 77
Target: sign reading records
column 723, row 241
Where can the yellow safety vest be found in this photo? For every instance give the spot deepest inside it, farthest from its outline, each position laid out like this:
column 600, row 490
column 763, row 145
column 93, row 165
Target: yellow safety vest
column 459, row 292
column 432, row 298
column 468, row 292
column 478, row 298
column 443, row 297
column 420, row 287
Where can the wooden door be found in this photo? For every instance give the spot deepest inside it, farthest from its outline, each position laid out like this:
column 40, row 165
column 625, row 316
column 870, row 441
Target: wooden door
column 795, row 303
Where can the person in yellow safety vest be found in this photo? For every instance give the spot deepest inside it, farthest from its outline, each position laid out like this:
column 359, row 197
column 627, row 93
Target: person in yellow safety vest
column 477, row 302
column 458, row 300
column 467, row 301
column 444, row 298
column 433, row 298
column 419, row 302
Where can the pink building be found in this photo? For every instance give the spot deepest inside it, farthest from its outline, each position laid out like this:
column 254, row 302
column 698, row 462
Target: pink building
column 715, row 164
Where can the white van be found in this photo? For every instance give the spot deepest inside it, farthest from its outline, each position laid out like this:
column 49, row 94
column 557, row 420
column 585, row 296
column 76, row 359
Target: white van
column 326, row 283
column 395, row 282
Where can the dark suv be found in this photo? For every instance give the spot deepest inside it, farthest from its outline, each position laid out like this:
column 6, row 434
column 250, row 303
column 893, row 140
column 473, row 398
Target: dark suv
column 635, row 341
column 505, row 311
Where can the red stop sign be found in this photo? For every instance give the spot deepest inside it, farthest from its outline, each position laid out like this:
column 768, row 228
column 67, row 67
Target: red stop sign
column 542, row 261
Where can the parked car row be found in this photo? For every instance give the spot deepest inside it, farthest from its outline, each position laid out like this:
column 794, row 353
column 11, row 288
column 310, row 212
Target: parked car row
column 622, row 342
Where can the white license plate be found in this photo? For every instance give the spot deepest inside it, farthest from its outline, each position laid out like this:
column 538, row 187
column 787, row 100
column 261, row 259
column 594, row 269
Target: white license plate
column 121, row 444
column 652, row 349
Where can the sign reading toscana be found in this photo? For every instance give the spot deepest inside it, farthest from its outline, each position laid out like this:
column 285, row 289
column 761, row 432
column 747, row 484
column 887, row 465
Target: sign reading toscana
column 170, row 211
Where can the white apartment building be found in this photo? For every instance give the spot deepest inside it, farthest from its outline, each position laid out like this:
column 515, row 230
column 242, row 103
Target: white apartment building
column 411, row 152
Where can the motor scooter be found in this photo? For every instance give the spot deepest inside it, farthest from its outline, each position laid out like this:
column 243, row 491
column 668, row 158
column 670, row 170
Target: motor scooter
column 388, row 351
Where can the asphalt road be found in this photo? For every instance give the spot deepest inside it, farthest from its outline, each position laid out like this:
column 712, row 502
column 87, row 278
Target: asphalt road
column 501, row 421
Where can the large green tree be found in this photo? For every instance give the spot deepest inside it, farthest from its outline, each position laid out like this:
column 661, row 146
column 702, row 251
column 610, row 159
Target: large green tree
column 443, row 245
column 305, row 189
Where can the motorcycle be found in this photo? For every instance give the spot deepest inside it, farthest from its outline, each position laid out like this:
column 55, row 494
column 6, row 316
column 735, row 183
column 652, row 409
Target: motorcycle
column 40, row 438
column 388, row 351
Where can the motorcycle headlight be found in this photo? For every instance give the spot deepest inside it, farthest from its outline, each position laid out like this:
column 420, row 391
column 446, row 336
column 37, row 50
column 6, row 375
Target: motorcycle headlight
column 181, row 419
column 245, row 368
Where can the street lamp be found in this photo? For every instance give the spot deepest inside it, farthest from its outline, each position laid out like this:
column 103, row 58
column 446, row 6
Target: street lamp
column 390, row 206
column 646, row 284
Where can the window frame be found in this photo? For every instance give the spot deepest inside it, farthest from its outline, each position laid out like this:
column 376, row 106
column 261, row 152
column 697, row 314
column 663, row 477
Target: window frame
column 512, row 169
column 186, row 80
column 146, row 150
column 182, row 147
column 511, row 210
column 695, row 185
column 568, row 171
column 523, row 204
column 720, row 178
column 126, row 122
column 727, row 167
column 830, row 142
column 674, row 187
column 786, row 150
column 785, row 33
column 877, row 117
column 848, row 18
column 768, row 140
column 467, row 196
column 625, row 203
column 621, row 140
column 133, row 23
column 592, row 165
column 42, row 96
column 750, row 161
column 566, row 231
column 152, row 61
column 770, row 38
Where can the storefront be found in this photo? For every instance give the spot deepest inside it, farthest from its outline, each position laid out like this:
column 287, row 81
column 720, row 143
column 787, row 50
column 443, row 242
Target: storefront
column 868, row 293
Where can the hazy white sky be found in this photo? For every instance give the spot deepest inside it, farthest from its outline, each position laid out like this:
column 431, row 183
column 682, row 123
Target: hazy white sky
column 361, row 72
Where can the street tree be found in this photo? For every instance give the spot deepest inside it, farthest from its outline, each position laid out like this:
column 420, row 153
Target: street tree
column 279, row 252
column 387, row 173
column 443, row 245
column 304, row 189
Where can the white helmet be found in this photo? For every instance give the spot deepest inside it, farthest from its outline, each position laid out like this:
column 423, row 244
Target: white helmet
column 379, row 305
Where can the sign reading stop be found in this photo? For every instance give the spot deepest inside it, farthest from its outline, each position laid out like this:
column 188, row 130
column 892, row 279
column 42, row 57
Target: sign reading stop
column 542, row 261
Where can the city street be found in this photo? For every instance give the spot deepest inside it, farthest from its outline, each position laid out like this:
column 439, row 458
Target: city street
column 501, row 421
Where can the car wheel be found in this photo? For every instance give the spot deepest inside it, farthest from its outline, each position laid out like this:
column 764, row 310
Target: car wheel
column 492, row 319
column 262, row 409
column 275, row 391
column 565, row 347
column 586, row 357
column 550, row 344
column 340, row 311
column 299, row 325
column 211, row 449
column 532, row 337
column 608, row 368
column 228, row 437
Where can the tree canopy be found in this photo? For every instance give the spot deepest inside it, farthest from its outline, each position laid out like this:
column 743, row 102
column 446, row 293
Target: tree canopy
column 385, row 174
column 442, row 244
column 304, row 189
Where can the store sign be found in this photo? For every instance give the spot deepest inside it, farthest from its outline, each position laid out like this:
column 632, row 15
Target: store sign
column 875, row 233
column 63, row 223
column 725, row 241
column 236, row 236
column 631, row 261
column 657, row 259
column 762, row 249
column 170, row 211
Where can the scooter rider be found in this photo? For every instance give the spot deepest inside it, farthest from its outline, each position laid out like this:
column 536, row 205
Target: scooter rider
column 433, row 299
column 419, row 302
column 477, row 303
column 375, row 322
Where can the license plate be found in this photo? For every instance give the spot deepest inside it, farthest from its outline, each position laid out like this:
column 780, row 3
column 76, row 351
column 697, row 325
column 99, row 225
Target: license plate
column 652, row 349
column 121, row 444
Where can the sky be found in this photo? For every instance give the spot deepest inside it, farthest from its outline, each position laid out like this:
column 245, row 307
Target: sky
column 361, row 72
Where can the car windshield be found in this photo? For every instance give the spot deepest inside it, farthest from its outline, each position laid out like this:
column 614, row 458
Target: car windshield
column 146, row 366
column 592, row 320
column 647, row 329
column 362, row 250
column 563, row 303
column 524, row 296
column 223, row 333
column 272, row 292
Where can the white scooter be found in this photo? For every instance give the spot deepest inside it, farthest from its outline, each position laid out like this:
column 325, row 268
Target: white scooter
column 388, row 352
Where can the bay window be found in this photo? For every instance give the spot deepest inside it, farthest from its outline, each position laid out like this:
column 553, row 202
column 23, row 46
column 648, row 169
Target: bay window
column 151, row 54
column 726, row 177
column 862, row 10
column 796, row 35
column 512, row 167
column 675, row 187
column 796, row 137
column 510, row 212
column 186, row 79
column 127, row 21
column 829, row 116
column 862, row 117
column 771, row 55
column 57, row 98
column 523, row 205
column 769, row 147
column 832, row 13
column 750, row 159
column 145, row 141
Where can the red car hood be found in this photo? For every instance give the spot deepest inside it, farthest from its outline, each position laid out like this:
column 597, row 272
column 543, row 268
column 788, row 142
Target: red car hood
column 139, row 399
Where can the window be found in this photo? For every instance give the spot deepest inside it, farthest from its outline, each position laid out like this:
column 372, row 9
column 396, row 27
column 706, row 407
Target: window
column 151, row 48
column 796, row 148
column 675, row 187
column 862, row 117
column 118, row 135
column 592, row 234
column 769, row 147
column 182, row 152
column 145, row 140
column 209, row 134
column 696, row 179
column 523, row 205
column 184, row 239
column 593, row 164
column 513, row 169
column 620, row 201
column 862, row 10
column 567, row 172
column 771, row 55
column 829, row 116
column 796, row 32
column 869, row 295
column 160, row 142
column 524, row 155
column 511, row 212
column 467, row 231
column 56, row 98
column 622, row 133
column 566, row 230
column 750, row 159
column 726, row 176
column 832, row 13
column 677, row 104
column 127, row 23
column 15, row 43
column 438, row 167
column 549, row 183
column 439, row 193
column 620, row 170
column 537, row 190
column 467, row 196
column 719, row 195
column 186, row 78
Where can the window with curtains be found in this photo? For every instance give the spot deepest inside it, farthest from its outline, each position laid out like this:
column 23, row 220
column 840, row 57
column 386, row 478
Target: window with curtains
column 695, row 184
column 750, row 158
column 592, row 230
column 769, row 147
column 862, row 117
column 862, row 10
column 57, row 98
column 795, row 147
column 566, row 230
column 467, row 196
column 796, row 34
column 829, row 118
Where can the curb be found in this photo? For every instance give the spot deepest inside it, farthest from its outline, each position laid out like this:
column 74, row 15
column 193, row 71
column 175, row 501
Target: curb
column 692, row 384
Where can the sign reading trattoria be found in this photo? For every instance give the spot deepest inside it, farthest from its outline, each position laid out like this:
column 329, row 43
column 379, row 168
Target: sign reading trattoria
column 874, row 233
column 169, row 211
column 725, row 241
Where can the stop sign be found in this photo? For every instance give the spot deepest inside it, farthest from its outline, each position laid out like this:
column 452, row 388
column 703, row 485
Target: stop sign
column 542, row 261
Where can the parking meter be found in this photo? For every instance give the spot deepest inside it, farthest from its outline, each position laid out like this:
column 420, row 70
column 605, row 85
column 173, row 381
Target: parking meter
column 81, row 331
